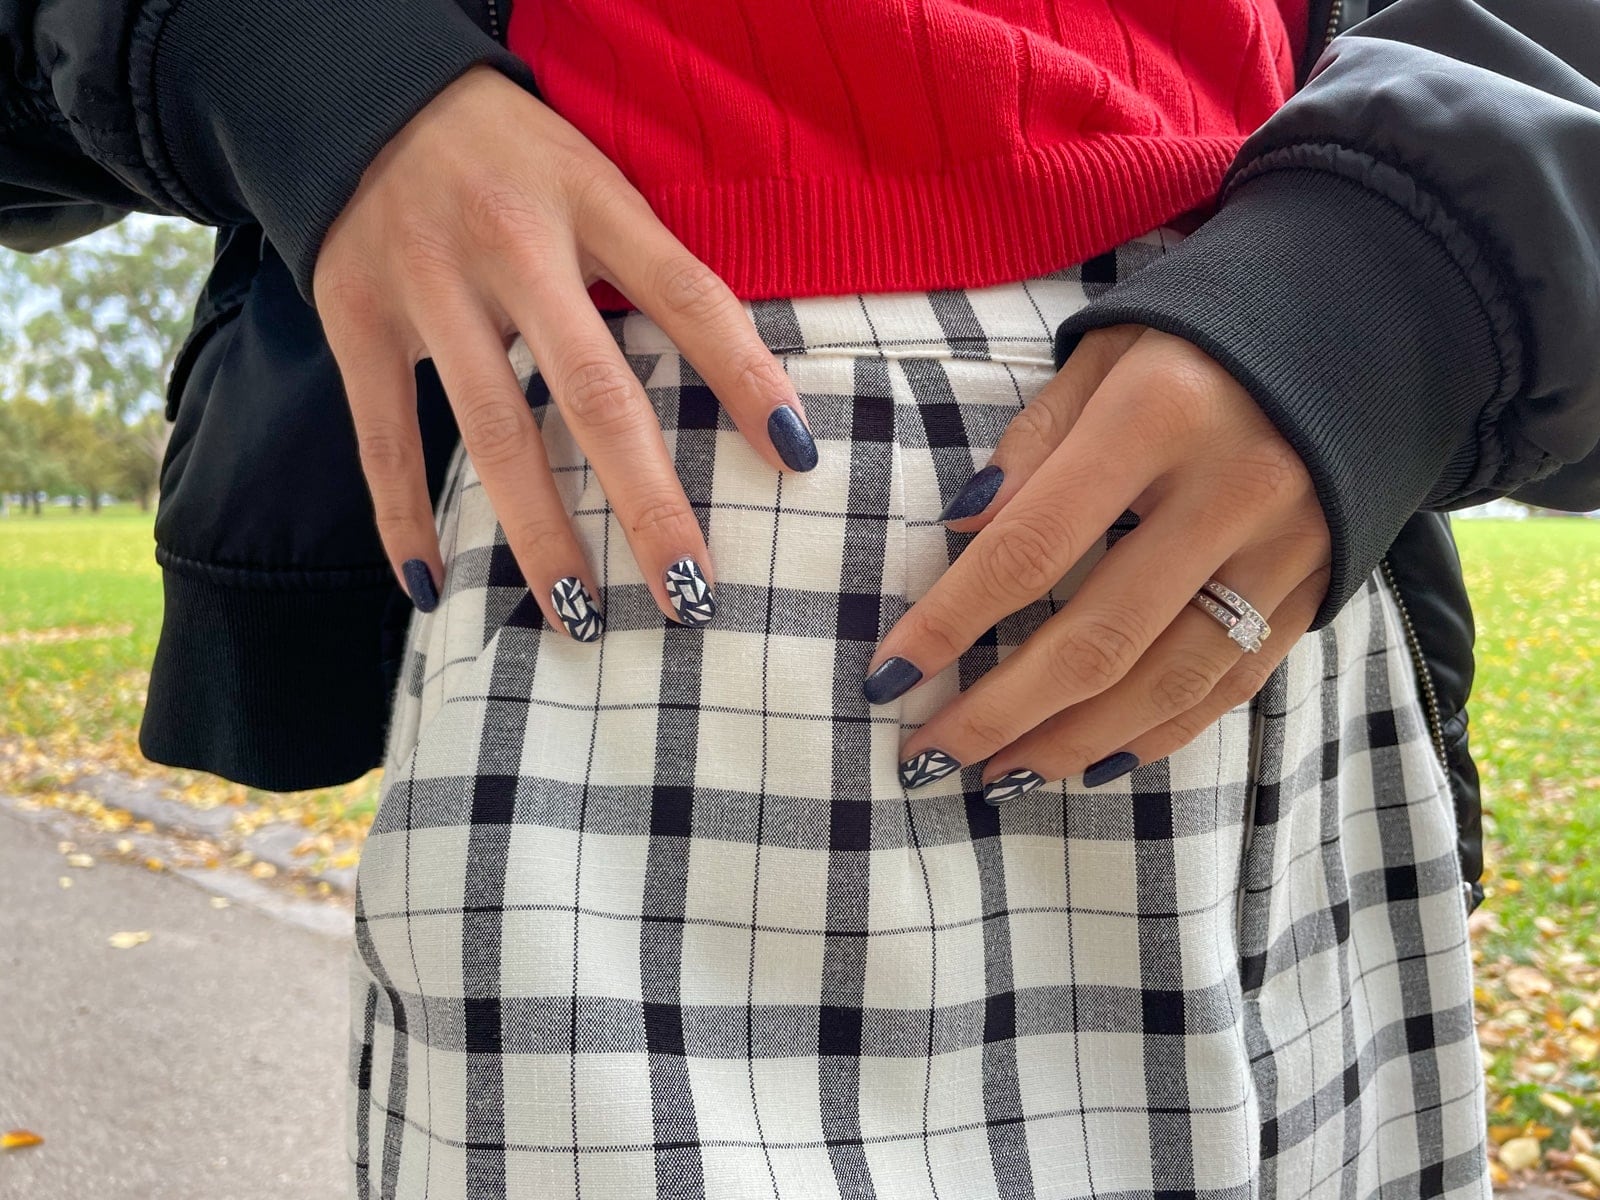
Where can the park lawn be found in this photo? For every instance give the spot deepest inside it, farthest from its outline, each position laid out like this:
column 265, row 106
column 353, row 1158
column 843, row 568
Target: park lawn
column 80, row 613
column 80, row 603
column 1536, row 737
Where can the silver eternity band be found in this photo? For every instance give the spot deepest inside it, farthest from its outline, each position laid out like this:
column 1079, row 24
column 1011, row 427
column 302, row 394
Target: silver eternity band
column 1233, row 612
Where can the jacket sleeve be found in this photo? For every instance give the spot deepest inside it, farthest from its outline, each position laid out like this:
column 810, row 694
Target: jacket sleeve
column 223, row 111
column 1404, row 270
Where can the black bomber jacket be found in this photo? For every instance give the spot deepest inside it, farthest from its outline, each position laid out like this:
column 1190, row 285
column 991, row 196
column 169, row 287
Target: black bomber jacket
column 1403, row 269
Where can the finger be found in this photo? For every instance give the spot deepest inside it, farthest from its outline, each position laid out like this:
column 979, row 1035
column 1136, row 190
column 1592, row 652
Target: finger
column 503, row 441
column 1119, row 610
column 1039, row 428
column 1171, row 682
column 705, row 320
column 381, row 388
column 1114, row 454
column 1290, row 620
column 616, row 426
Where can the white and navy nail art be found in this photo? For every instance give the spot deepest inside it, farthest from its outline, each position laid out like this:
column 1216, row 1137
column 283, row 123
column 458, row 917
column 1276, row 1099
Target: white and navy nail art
column 1011, row 785
column 926, row 767
column 690, row 593
column 575, row 607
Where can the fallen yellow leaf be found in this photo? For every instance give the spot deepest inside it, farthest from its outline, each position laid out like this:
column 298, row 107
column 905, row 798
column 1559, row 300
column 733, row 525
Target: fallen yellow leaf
column 1527, row 982
column 263, row 870
column 1580, row 1140
column 1520, row 1153
column 154, row 864
column 15, row 1139
column 64, row 880
column 1589, row 1165
column 124, row 845
column 1556, row 1104
column 127, row 939
column 219, row 902
column 79, row 860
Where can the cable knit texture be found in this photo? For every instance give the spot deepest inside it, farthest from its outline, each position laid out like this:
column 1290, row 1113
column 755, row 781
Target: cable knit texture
column 827, row 146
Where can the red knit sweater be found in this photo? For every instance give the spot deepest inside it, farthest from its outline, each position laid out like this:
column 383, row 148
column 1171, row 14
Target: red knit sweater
column 804, row 147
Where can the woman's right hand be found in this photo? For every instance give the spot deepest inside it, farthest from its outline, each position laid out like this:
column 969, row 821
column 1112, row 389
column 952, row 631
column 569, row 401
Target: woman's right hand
column 486, row 215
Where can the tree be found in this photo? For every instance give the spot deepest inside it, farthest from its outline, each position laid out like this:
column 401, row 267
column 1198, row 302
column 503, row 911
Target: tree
column 89, row 331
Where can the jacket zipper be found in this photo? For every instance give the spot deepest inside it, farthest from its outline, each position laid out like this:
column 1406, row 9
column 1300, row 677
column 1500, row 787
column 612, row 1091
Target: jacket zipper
column 1328, row 35
column 1424, row 677
column 494, row 19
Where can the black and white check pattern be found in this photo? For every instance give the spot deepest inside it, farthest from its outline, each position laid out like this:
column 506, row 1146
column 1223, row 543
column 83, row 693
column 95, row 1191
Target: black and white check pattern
column 655, row 916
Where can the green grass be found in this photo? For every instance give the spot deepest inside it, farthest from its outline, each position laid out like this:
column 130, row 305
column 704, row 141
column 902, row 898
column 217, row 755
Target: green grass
column 90, row 584
column 1536, row 738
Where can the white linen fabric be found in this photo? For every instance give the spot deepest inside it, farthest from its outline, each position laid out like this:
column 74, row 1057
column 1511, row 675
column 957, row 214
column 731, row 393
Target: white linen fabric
column 653, row 916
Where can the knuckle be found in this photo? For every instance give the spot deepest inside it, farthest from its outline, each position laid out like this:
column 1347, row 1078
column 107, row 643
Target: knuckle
column 350, row 303
column 1181, row 687
column 1095, row 652
column 384, row 448
column 598, row 392
column 1021, row 556
column 983, row 728
column 687, row 286
column 423, row 249
column 662, row 519
column 493, row 432
column 497, row 211
column 937, row 629
column 1042, row 422
column 757, row 373
column 533, row 540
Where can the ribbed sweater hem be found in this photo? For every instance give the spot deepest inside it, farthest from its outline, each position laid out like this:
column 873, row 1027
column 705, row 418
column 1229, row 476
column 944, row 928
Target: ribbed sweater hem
column 829, row 235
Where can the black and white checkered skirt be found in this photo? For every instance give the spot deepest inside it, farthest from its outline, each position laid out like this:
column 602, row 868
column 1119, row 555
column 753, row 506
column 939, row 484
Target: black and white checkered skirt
column 653, row 916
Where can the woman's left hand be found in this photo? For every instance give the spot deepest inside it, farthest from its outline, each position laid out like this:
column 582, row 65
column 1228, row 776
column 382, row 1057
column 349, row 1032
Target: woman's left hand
column 1128, row 670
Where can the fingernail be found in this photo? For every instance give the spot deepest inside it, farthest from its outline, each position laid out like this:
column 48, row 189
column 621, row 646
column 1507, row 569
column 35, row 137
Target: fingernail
column 419, row 583
column 789, row 434
column 894, row 678
column 974, row 495
column 925, row 767
column 1112, row 766
column 690, row 593
column 575, row 607
column 1011, row 785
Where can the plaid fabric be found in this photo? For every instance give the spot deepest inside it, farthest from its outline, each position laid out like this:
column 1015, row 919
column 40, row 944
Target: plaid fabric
column 654, row 916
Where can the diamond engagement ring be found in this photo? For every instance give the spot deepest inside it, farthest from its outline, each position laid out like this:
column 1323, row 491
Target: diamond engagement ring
column 1234, row 613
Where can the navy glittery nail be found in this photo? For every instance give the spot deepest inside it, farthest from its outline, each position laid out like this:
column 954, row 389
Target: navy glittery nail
column 789, row 434
column 974, row 495
column 419, row 583
column 1112, row 766
column 893, row 679
column 1011, row 785
column 926, row 767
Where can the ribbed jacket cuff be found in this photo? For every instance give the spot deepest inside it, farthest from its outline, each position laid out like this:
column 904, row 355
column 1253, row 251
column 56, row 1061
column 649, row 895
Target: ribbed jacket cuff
column 282, row 690
column 1352, row 327
column 279, row 106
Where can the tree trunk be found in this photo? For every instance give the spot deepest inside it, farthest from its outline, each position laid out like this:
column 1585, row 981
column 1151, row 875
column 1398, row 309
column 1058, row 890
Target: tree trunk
column 94, row 501
column 36, row 509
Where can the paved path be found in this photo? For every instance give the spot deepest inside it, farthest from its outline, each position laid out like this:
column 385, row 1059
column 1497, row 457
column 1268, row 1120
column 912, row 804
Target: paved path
column 205, row 1064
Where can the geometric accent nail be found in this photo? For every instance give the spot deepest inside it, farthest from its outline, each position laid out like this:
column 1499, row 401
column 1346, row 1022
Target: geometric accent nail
column 419, row 584
column 690, row 593
column 1112, row 766
column 929, row 765
column 974, row 495
column 1011, row 785
column 792, row 439
column 893, row 679
column 575, row 607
